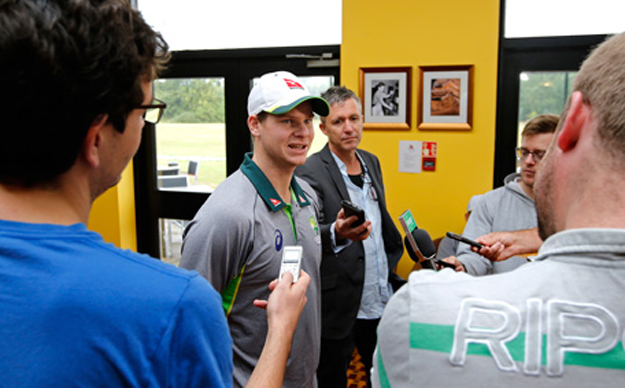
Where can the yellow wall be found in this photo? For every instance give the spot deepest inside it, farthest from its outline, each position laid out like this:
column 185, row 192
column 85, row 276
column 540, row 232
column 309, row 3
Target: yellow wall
column 113, row 213
column 428, row 33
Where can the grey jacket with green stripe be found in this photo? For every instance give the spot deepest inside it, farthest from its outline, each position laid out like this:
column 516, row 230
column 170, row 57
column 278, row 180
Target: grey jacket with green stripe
column 236, row 241
column 557, row 322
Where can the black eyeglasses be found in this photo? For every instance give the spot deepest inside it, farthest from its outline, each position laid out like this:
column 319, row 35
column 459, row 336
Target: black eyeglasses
column 154, row 111
column 523, row 153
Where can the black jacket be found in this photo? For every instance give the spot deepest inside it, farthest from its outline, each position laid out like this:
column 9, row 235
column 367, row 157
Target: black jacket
column 343, row 274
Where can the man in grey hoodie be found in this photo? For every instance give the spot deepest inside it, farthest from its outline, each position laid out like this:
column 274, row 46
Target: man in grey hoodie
column 510, row 207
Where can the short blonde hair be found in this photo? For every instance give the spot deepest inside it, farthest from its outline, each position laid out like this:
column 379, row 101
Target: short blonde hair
column 601, row 80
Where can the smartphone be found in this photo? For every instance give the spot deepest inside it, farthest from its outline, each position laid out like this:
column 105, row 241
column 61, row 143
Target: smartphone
column 444, row 263
column 465, row 240
column 352, row 210
column 291, row 261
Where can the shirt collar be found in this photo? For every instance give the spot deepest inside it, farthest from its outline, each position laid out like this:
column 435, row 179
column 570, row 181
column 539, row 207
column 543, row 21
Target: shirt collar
column 584, row 242
column 343, row 168
column 265, row 188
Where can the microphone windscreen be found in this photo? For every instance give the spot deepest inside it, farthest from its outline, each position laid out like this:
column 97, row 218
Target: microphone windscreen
column 424, row 242
column 411, row 252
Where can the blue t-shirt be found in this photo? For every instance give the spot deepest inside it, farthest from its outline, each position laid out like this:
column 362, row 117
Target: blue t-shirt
column 76, row 311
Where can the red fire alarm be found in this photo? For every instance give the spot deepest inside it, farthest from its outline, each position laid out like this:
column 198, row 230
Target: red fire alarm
column 428, row 160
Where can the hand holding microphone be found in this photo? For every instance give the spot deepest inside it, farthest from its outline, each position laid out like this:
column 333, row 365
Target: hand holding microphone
column 427, row 249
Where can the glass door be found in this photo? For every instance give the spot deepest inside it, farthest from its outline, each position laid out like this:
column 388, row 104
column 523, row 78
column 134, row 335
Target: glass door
column 191, row 136
column 190, row 147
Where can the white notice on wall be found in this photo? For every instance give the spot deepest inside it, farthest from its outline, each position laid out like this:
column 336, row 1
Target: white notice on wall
column 410, row 156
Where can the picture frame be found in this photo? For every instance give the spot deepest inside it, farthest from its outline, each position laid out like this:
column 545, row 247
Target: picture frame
column 446, row 98
column 385, row 94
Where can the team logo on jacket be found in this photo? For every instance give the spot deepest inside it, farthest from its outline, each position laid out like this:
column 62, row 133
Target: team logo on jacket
column 315, row 227
column 313, row 222
column 278, row 240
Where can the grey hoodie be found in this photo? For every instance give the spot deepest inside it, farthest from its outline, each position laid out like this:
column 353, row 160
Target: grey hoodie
column 506, row 208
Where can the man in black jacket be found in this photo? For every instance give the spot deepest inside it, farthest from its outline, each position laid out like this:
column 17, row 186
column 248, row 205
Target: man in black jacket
column 357, row 269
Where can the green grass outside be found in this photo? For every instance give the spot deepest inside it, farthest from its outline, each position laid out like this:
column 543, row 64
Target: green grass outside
column 202, row 142
column 205, row 143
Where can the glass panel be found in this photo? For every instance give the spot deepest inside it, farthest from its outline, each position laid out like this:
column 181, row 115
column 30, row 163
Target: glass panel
column 170, row 236
column 542, row 92
column 316, row 85
column 191, row 136
column 532, row 18
column 201, row 24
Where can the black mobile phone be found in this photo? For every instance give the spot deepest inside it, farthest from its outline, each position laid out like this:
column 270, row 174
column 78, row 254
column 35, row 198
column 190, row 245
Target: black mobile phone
column 465, row 240
column 444, row 263
column 352, row 210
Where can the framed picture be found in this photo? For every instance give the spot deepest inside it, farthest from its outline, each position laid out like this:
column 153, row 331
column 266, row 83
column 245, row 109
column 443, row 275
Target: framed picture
column 446, row 97
column 385, row 95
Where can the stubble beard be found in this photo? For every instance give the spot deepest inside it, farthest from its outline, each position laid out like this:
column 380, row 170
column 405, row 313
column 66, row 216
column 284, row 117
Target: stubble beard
column 545, row 200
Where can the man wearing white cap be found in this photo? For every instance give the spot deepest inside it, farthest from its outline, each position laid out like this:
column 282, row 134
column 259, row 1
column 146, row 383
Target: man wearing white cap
column 237, row 238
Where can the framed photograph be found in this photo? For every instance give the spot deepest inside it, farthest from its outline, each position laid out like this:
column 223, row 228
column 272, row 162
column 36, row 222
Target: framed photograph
column 385, row 95
column 446, row 97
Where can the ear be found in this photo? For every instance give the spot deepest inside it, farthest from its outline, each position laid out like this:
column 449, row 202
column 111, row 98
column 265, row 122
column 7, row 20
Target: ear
column 576, row 118
column 93, row 141
column 322, row 126
column 254, row 124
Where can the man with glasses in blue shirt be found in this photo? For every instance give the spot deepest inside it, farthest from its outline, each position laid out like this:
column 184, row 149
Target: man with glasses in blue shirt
column 511, row 207
column 357, row 269
column 76, row 311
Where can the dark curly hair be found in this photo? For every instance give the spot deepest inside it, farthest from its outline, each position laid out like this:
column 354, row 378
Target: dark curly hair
column 63, row 64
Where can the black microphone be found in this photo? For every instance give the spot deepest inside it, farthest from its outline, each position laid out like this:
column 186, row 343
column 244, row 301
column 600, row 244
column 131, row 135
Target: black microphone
column 425, row 243
column 427, row 249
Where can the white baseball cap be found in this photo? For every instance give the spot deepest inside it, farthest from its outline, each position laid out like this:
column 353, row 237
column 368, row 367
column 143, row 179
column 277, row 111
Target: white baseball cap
column 279, row 92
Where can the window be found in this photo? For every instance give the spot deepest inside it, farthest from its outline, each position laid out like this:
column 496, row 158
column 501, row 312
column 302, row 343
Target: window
column 191, row 136
column 534, row 18
column 536, row 71
column 542, row 92
column 201, row 24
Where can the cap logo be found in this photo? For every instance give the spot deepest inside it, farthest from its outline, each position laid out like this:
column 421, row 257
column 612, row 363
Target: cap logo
column 293, row 84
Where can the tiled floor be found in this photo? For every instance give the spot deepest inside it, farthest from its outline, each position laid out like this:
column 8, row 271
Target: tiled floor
column 356, row 373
